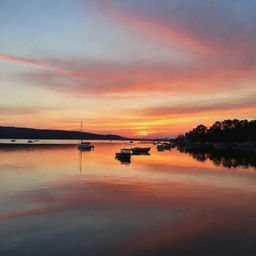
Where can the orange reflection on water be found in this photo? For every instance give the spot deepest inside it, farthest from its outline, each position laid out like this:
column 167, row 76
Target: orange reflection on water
column 153, row 205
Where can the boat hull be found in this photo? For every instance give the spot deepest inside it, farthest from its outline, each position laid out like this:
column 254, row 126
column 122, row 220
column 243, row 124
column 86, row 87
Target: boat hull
column 123, row 155
column 160, row 147
column 167, row 146
column 85, row 147
column 140, row 150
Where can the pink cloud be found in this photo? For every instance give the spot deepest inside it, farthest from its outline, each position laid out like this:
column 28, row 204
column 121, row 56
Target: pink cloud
column 19, row 60
column 203, row 33
column 148, row 27
column 101, row 78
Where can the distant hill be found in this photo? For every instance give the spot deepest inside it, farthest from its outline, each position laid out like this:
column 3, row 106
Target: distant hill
column 30, row 133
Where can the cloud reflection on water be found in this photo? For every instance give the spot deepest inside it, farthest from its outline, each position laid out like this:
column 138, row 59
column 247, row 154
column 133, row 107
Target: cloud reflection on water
column 166, row 203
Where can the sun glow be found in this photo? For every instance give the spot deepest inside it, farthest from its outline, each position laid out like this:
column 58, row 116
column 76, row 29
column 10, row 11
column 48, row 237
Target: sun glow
column 142, row 133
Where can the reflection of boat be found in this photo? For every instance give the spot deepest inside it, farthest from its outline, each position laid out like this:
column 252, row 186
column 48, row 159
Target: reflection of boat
column 125, row 153
column 140, row 150
column 141, row 153
column 13, row 140
column 125, row 161
column 84, row 146
column 30, row 141
column 160, row 147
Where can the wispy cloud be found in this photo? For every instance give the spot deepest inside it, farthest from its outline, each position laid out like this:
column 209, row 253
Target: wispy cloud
column 18, row 110
column 208, row 28
column 145, row 26
column 79, row 76
column 19, row 60
column 201, row 107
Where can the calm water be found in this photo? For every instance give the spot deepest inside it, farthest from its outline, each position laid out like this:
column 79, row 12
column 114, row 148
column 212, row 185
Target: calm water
column 58, row 201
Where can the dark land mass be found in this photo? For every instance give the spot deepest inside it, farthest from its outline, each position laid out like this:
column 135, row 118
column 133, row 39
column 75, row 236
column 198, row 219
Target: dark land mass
column 30, row 133
column 227, row 131
column 222, row 136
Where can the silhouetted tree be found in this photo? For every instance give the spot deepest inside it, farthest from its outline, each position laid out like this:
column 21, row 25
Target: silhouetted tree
column 226, row 131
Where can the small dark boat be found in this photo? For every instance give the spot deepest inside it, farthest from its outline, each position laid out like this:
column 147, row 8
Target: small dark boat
column 13, row 140
column 160, row 147
column 140, row 150
column 85, row 146
column 167, row 145
column 30, row 141
column 125, row 153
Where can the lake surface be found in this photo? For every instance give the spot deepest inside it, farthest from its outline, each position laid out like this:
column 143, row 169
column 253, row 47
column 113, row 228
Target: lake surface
column 59, row 201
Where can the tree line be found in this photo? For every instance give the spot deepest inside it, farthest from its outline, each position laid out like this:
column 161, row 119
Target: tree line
column 222, row 131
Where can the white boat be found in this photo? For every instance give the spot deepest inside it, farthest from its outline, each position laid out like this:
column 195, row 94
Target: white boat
column 84, row 146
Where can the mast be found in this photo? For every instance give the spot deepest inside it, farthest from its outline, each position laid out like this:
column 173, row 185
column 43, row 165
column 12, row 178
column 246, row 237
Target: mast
column 81, row 132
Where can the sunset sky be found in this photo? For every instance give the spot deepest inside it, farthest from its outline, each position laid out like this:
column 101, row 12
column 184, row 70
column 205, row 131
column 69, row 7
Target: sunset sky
column 134, row 68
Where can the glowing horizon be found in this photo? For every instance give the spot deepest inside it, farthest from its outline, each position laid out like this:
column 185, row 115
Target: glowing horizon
column 128, row 68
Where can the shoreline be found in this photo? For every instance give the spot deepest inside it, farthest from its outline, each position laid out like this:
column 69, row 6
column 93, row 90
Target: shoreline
column 246, row 146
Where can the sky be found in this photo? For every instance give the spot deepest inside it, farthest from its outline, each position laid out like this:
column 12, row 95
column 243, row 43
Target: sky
column 137, row 68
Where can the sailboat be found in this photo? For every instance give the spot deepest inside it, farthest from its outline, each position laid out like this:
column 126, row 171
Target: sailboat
column 83, row 146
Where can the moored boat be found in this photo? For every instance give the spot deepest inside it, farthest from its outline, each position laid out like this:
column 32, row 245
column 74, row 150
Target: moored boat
column 167, row 145
column 125, row 153
column 160, row 147
column 84, row 146
column 139, row 150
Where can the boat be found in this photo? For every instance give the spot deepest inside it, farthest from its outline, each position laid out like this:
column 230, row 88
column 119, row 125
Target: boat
column 30, row 141
column 167, row 145
column 160, row 147
column 125, row 153
column 13, row 140
column 140, row 150
column 84, row 146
